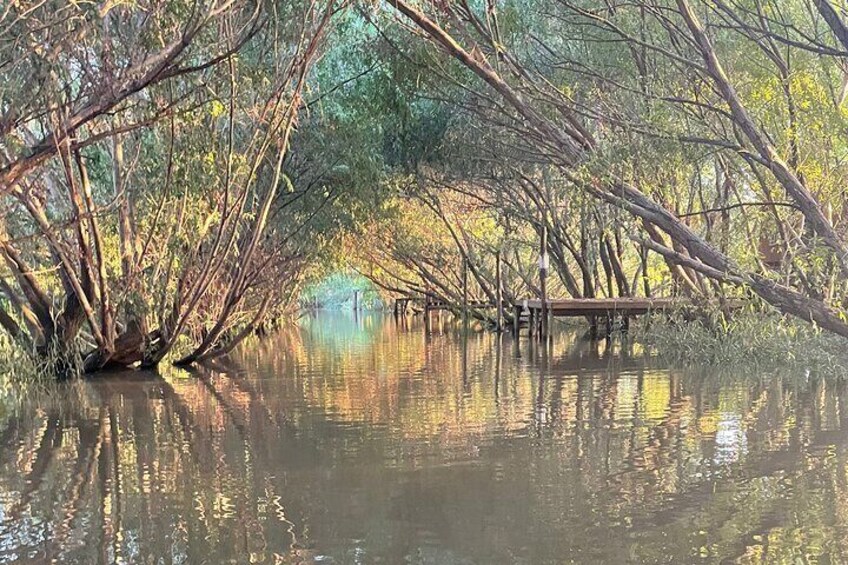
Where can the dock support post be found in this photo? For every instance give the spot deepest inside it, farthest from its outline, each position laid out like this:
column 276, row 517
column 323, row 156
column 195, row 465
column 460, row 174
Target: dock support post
column 465, row 291
column 531, row 323
column 543, row 278
column 427, row 312
column 499, row 291
column 593, row 327
column 516, row 320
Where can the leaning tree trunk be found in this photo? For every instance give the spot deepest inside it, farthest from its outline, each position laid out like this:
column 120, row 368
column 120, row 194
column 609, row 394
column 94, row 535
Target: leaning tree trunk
column 574, row 144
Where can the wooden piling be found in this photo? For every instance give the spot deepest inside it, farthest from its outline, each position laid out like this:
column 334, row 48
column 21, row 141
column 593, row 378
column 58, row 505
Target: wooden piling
column 531, row 322
column 499, row 291
column 465, row 291
column 543, row 279
column 516, row 320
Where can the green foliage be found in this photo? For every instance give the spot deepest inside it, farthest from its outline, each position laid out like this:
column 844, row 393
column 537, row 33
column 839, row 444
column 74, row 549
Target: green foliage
column 765, row 341
column 406, row 166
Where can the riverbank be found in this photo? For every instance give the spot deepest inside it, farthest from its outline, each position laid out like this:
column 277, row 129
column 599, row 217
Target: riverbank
column 762, row 340
column 747, row 339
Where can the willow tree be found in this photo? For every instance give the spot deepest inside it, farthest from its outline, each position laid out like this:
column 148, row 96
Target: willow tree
column 663, row 81
column 159, row 131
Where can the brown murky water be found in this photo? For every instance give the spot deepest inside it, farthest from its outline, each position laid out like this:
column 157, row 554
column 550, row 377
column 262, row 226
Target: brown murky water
column 356, row 441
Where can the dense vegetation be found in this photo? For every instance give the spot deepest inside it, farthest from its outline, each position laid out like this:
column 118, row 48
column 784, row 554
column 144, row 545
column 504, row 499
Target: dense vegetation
column 173, row 172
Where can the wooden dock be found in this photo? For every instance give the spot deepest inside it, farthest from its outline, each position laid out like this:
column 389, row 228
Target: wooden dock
column 442, row 305
column 594, row 309
column 403, row 304
column 530, row 312
column 577, row 307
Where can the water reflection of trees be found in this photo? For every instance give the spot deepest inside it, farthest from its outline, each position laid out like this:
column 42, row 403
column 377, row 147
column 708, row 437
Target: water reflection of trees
column 313, row 443
column 717, row 459
column 138, row 468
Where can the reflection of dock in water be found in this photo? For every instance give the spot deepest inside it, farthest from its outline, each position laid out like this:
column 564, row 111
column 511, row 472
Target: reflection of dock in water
column 581, row 356
column 274, row 451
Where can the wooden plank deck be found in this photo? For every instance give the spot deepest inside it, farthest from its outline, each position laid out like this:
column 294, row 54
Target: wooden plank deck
column 577, row 307
column 441, row 305
column 599, row 310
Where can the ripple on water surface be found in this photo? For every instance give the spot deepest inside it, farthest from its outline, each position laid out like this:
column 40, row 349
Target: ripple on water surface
column 353, row 439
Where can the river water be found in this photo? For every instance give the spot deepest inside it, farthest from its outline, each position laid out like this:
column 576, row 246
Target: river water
column 358, row 440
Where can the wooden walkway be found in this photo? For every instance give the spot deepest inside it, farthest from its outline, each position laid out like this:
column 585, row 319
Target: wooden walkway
column 441, row 305
column 529, row 311
column 402, row 304
column 575, row 307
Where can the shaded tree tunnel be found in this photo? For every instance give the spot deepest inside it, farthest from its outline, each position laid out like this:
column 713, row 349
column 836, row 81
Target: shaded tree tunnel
column 173, row 185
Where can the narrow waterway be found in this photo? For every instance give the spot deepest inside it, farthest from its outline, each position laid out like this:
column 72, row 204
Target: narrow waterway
column 352, row 439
